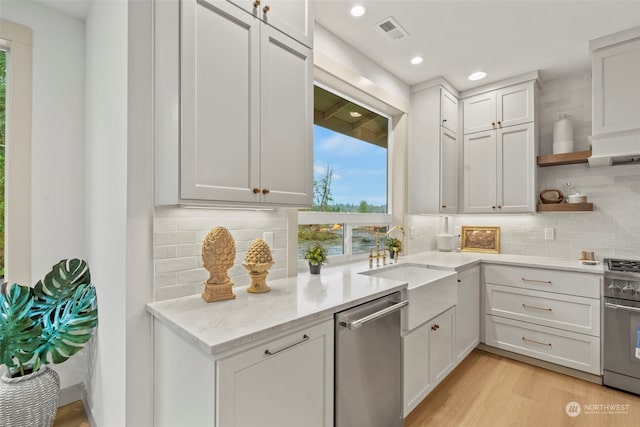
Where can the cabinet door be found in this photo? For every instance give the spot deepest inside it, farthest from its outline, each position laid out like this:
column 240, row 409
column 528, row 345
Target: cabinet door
column 286, row 123
column 441, row 346
column 448, row 171
column 479, row 112
column 480, row 172
column 515, row 105
column 416, row 382
column 219, row 101
column 467, row 313
column 292, row 17
column 516, row 169
column 293, row 386
column 449, row 110
column 616, row 88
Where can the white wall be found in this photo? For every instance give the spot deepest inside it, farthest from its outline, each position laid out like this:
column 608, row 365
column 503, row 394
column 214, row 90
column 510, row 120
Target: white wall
column 106, row 207
column 612, row 229
column 57, row 145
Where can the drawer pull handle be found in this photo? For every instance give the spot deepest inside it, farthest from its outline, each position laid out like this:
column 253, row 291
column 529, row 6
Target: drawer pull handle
column 548, row 344
column 546, row 282
column 536, row 308
column 305, row 337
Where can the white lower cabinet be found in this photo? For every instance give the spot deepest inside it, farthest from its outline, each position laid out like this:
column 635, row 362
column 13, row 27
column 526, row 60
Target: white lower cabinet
column 428, row 357
column 467, row 313
column 547, row 314
column 286, row 380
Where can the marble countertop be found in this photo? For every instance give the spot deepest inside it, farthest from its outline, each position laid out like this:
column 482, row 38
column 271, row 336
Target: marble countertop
column 221, row 326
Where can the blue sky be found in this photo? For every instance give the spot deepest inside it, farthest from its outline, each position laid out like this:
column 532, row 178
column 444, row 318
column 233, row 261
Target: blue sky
column 359, row 167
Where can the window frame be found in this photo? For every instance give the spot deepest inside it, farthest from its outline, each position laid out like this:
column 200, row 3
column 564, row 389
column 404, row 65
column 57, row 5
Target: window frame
column 16, row 40
column 349, row 220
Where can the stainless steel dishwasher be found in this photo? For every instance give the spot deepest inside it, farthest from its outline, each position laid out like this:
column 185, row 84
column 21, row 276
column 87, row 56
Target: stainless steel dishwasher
column 368, row 364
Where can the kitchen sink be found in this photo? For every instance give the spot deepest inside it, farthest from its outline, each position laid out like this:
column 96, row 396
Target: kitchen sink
column 429, row 291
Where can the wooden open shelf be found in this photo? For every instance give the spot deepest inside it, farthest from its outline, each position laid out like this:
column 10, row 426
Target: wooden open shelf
column 564, row 159
column 565, row 207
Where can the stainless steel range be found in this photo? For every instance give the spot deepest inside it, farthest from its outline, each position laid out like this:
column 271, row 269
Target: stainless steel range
column 621, row 354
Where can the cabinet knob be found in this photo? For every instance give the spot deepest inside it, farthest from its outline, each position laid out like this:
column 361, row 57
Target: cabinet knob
column 444, row 206
column 256, row 3
column 256, row 191
column 459, row 281
column 499, row 123
column 435, row 327
column 444, row 121
column 493, row 207
column 266, row 9
column 266, row 191
column 499, row 206
column 493, row 124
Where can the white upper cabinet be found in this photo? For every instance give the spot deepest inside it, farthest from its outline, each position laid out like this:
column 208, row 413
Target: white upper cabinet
column 499, row 170
column 449, row 114
column 238, row 105
column 500, row 147
column 433, row 152
column 292, row 17
column 509, row 106
column 616, row 87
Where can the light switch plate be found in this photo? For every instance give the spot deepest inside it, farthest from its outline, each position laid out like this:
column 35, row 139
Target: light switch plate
column 267, row 236
column 549, row 233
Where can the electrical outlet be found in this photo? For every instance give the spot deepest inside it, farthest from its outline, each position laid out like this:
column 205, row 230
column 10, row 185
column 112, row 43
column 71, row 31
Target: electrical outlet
column 549, row 233
column 267, row 236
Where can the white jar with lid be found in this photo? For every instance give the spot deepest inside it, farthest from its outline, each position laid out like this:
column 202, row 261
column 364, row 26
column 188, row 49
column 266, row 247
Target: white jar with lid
column 562, row 135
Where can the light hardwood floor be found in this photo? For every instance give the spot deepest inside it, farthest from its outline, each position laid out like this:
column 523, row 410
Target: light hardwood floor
column 493, row 391
column 490, row 390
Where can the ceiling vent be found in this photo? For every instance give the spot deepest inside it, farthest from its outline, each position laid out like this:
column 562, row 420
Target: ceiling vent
column 392, row 29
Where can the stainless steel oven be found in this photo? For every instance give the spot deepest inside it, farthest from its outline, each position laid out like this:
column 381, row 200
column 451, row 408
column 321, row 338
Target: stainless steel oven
column 621, row 334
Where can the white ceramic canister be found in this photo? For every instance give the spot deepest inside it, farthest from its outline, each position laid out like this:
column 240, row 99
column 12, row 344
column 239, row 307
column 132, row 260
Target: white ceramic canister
column 562, row 135
column 445, row 240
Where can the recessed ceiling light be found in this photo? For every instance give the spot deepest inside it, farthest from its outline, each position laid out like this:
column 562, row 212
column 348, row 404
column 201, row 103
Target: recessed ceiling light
column 358, row 10
column 355, row 114
column 478, row 75
column 416, row 60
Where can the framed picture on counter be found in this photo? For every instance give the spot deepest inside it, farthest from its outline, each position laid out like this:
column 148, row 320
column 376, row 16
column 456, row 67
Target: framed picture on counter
column 480, row 239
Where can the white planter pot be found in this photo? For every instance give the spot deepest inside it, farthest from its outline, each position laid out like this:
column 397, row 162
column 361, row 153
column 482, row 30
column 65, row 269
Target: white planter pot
column 31, row 400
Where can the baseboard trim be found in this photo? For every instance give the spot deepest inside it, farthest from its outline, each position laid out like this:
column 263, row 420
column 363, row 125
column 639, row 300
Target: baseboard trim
column 87, row 409
column 542, row 364
column 70, row 394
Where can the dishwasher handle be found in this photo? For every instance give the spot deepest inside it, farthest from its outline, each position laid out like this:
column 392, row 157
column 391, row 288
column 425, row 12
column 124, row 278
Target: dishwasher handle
column 355, row 324
column 622, row 307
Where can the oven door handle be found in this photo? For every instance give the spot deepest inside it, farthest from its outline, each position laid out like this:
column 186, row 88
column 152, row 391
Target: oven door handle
column 621, row 307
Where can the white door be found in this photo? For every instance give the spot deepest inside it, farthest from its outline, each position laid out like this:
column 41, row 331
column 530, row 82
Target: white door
column 467, row 313
column 479, row 112
column 441, row 346
column 516, row 169
column 292, row 17
column 515, row 105
column 220, row 107
column 480, row 177
column 616, row 88
column 448, row 171
column 293, row 386
column 286, row 137
column 449, row 110
column 416, row 382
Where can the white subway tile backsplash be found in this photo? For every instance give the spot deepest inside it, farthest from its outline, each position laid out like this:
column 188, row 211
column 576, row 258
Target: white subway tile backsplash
column 185, row 229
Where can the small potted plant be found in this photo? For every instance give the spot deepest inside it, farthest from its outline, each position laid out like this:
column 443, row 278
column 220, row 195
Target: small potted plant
column 394, row 245
column 317, row 255
column 47, row 323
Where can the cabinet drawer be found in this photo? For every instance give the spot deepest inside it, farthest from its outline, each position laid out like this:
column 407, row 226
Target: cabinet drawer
column 540, row 279
column 567, row 312
column 564, row 348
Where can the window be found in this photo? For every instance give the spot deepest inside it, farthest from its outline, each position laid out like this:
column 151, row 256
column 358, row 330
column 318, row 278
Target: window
column 351, row 157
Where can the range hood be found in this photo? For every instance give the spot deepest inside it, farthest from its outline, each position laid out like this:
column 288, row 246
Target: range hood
column 615, row 150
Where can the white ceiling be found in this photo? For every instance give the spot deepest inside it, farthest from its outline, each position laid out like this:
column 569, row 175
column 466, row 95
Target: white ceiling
column 76, row 8
column 456, row 38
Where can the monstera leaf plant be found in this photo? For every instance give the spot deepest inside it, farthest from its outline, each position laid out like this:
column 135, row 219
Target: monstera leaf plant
column 49, row 322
